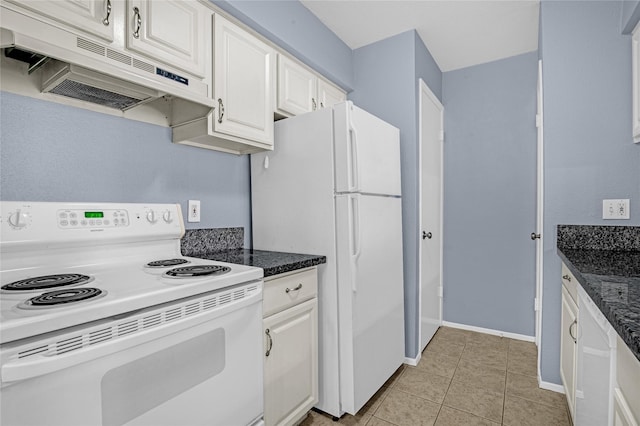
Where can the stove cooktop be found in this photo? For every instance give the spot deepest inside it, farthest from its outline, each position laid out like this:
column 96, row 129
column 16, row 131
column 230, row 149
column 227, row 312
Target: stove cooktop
column 45, row 299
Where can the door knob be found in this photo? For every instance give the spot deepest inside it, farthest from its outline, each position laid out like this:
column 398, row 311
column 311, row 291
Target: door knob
column 535, row 236
column 426, row 235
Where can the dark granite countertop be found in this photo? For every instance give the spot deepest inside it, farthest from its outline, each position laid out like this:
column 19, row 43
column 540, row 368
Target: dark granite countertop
column 610, row 275
column 272, row 262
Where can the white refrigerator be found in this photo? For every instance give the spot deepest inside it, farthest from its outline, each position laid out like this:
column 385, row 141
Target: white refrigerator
column 332, row 187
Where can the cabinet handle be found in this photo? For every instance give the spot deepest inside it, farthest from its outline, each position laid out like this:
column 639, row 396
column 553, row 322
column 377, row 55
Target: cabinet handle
column 220, row 110
column 105, row 21
column 298, row 287
column 321, row 104
column 270, row 342
column 138, row 20
column 314, row 106
column 566, row 277
column 575, row 322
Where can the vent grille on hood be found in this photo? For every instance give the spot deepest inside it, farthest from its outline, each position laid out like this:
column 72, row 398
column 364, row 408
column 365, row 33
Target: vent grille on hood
column 87, row 85
column 83, row 92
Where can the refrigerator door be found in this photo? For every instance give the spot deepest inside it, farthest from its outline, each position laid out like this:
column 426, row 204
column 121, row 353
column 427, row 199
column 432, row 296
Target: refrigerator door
column 370, row 294
column 367, row 152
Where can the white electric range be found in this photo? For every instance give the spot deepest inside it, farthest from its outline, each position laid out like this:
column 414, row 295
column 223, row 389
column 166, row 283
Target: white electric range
column 103, row 321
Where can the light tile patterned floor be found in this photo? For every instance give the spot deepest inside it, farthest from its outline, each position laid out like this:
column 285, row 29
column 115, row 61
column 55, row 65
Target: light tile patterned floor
column 463, row 378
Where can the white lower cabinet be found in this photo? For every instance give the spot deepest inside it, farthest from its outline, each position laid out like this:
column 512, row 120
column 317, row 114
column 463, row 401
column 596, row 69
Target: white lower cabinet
column 600, row 374
column 622, row 415
column 291, row 346
column 626, row 398
column 568, row 348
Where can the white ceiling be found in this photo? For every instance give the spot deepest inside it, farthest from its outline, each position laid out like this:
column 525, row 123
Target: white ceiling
column 458, row 33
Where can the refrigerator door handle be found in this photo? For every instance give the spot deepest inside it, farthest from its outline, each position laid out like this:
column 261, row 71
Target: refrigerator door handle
column 356, row 237
column 353, row 172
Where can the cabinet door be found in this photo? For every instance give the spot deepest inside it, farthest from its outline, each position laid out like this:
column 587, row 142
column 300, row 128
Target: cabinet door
column 290, row 363
column 171, row 31
column 329, row 95
column 242, row 83
column 297, row 87
column 92, row 16
column 568, row 344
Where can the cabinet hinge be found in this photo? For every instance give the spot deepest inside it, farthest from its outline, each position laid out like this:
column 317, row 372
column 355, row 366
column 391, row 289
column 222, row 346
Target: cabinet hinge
column 441, row 135
column 440, row 291
column 538, row 120
column 536, row 304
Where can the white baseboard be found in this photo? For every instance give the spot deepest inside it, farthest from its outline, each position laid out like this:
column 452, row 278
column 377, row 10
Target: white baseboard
column 514, row 336
column 550, row 386
column 413, row 361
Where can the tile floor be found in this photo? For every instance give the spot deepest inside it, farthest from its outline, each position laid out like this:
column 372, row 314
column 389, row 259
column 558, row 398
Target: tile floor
column 463, row 378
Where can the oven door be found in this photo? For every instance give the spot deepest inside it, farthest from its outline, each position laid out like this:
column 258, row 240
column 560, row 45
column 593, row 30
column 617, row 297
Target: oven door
column 196, row 362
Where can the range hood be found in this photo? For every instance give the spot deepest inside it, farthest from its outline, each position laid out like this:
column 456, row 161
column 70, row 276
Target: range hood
column 76, row 67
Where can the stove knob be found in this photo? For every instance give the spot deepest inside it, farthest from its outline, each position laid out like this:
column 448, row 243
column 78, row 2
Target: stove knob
column 167, row 216
column 19, row 219
column 151, row 216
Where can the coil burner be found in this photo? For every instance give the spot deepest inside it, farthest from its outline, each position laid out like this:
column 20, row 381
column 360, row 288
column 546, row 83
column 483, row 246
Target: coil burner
column 166, row 263
column 197, row 271
column 62, row 297
column 47, row 282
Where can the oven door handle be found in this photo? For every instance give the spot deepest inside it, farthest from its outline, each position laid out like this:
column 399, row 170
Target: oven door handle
column 48, row 362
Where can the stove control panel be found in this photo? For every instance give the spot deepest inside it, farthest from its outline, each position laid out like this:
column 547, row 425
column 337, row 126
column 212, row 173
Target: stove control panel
column 106, row 218
column 39, row 225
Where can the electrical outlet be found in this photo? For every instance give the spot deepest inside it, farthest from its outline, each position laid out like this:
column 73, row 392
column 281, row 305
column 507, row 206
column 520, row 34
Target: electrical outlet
column 615, row 209
column 194, row 211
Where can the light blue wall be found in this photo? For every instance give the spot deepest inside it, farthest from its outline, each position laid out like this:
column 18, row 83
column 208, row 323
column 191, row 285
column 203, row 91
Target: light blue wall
column 589, row 153
column 489, row 194
column 293, row 27
column 386, row 84
column 426, row 69
column 53, row 152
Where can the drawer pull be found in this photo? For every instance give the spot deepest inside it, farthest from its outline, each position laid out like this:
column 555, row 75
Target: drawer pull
column 270, row 342
column 296, row 288
column 566, row 277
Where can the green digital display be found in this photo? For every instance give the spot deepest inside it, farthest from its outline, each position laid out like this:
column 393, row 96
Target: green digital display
column 93, row 215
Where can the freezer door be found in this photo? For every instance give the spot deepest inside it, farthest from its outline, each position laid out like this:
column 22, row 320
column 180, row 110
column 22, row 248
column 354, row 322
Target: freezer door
column 370, row 294
column 367, row 152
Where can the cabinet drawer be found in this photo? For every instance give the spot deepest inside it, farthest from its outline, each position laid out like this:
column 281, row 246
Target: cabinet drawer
column 570, row 283
column 285, row 291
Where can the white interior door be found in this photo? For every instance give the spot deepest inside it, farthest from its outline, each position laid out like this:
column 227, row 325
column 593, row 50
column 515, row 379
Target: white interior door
column 539, row 210
column 431, row 139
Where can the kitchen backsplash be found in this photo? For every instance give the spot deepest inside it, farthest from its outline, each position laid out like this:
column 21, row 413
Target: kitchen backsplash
column 201, row 241
column 598, row 237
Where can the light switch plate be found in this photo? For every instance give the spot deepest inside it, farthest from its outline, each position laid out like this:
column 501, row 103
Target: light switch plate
column 194, row 211
column 615, row 209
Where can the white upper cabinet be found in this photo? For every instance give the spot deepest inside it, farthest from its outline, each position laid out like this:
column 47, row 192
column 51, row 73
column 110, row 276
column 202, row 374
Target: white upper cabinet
column 329, row 95
column 300, row 90
column 297, row 87
column 635, row 53
column 171, row 31
column 91, row 16
column 242, row 83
